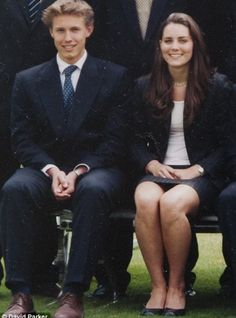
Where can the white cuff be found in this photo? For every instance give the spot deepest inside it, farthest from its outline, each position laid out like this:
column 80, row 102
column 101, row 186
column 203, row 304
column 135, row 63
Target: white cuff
column 82, row 165
column 47, row 167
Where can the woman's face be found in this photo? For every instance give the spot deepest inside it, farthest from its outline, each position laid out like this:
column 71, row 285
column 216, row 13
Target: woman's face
column 176, row 45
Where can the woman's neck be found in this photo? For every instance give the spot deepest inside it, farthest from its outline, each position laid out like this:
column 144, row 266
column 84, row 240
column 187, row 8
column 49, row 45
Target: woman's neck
column 179, row 75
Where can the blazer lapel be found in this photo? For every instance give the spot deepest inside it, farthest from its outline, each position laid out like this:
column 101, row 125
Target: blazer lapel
column 130, row 11
column 86, row 91
column 50, row 92
column 157, row 11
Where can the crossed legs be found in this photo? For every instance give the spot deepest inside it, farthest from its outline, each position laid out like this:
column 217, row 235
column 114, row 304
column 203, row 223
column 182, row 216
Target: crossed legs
column 162, row 227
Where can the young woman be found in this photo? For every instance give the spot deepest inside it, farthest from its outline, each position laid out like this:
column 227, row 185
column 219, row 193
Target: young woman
column 181, row 118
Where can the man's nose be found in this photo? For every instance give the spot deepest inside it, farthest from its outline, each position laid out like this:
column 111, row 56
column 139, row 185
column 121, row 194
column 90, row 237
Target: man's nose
column 68, row 36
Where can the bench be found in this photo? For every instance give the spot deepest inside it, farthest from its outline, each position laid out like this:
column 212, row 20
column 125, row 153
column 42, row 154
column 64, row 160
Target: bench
column 207, row 223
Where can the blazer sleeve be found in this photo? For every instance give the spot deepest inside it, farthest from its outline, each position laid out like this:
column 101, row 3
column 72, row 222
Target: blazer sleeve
column 23, row 129
column 140, row 138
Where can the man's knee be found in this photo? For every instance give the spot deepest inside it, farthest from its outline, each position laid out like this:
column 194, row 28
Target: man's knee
column 19, row 182
column 226, row 205
column 228, row 195
column 12, row 185
column 99, row 182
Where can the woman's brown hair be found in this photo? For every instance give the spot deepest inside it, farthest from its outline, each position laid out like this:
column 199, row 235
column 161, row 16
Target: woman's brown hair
column 159, row 93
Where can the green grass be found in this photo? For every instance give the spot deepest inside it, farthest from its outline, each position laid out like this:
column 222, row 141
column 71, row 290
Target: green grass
column 206, row 303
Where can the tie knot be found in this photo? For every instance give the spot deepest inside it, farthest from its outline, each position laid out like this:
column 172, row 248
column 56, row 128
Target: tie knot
column 69, row 70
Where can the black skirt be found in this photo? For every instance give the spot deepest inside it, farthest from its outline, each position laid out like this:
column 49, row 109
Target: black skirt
column 205, row 189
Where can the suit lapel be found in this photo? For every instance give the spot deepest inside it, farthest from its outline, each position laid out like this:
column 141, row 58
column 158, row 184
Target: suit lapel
column 86, row 91
column 50, row 92
column 156, row 14
column 130, row 12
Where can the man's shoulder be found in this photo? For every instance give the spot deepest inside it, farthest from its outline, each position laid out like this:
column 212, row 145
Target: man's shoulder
column 220, row 83
column 36, row 70
column 106, row 66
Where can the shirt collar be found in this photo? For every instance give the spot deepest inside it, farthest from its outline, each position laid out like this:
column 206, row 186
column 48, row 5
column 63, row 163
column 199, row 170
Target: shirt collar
column 62, row 65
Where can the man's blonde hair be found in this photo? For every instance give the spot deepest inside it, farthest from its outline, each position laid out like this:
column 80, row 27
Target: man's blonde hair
column 78, row 8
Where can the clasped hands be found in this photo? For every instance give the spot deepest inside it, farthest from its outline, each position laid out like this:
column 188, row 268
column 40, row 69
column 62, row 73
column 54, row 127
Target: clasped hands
column 63, row 185
column 158, row 169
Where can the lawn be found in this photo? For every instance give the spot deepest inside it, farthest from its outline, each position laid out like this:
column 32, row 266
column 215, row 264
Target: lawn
column 205, row 304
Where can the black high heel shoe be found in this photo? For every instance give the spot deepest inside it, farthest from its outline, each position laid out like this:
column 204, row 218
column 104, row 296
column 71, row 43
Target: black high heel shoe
column 171, row 312
column 151, row 311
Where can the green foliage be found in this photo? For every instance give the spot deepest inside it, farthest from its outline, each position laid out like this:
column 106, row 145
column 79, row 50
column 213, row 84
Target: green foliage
column 206, row 303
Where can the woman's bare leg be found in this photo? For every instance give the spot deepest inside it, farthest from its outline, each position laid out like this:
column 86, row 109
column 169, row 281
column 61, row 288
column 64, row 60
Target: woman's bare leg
column 175, row 205
column 148, row 232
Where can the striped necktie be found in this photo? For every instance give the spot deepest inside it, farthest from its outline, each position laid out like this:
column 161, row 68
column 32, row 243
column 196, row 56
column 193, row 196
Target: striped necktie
column 33, row 8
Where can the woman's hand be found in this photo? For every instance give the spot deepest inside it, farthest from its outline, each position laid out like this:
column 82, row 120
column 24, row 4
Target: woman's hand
column 188, row 173
column 157, row 169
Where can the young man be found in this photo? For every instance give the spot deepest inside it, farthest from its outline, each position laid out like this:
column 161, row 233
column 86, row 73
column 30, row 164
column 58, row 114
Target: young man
column 61, row 111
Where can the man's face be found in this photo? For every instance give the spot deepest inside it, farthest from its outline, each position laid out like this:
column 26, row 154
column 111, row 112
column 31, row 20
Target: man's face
column 70, row 33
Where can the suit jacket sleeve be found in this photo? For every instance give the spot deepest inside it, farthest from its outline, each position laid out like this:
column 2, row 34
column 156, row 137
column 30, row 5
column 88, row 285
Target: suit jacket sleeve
column 24, row 128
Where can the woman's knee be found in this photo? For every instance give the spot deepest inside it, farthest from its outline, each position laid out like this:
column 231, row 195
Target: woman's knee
column 146, row 196
column 174, row 207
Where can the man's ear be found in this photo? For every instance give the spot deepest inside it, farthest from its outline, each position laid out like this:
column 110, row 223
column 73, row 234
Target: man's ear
column 90, row 29
column 50, row 30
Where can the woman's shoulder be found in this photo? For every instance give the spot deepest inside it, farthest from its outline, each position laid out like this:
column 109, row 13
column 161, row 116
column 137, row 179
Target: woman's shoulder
column 141, row 86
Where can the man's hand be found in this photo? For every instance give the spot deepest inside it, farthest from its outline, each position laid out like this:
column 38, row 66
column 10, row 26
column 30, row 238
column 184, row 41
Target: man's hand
column 59, row 183
column 159, row 170
column 72, row 177
column 71, row 180
column 63, row 186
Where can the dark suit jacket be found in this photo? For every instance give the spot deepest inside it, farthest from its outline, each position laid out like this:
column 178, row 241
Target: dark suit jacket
column 117, row 35
column 22, row 45
column 39, row 133
column 228, row 65
column 205, row 137
column 215, row 18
